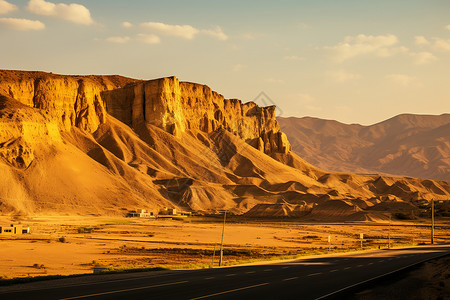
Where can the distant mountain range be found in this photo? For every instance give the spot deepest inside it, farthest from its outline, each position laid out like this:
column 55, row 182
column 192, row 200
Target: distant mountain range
column 406, row 145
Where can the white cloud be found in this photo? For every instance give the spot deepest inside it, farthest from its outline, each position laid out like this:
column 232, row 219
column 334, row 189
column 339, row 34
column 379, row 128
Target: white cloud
column 352, row 46
column 302, row 25
column 421, row 40
column 148, row 38
column 6, row 7
column 304, row 98
column 401, row 79
column 184, row 31
column 307, row 102
column 247, row 36
column 143, row 38
column 293, row 57
column 127, row 25
column 187, row 32
column 216, row 33
column 435, row 43
column 21, row 24
column 75, row 13
column 119, row 39
column 238, row 67
column 421, row 58
column 342, row 76
column 441, row 44
column 274, row 81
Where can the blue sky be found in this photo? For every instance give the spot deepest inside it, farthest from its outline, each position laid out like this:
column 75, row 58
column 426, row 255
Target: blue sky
column 354, row 61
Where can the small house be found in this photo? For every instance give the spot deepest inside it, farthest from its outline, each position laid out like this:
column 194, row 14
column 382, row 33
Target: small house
column 14, row 229
column 139, row 213
column 168, row 211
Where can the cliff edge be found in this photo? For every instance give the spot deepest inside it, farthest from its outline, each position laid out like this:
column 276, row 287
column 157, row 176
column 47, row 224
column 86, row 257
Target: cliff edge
column 101, row 145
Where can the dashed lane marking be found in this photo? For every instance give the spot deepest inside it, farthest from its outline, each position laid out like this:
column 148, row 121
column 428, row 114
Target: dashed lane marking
column 292, row 278
column 126, row 290
column 231, row 291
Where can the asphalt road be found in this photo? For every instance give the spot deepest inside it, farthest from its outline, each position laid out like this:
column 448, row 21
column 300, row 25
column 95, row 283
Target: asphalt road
column 309, row 278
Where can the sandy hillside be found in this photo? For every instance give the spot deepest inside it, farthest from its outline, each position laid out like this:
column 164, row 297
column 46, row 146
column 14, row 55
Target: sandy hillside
column 406, row 145
column 97, row 146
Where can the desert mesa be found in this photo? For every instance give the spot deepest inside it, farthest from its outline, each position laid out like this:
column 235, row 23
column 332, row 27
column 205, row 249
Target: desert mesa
column 101, row 145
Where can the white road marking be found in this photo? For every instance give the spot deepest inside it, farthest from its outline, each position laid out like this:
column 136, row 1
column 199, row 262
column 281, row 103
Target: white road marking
column 314, row 274
column 126, row 290
column 292, row 278
column 335, row 270
column 93, row 283
column 207, row 278
column 347, row 268
column 285, row 267
column 359, row 266
column 230, row 291
column 250, row 272
column 267, row 270
column 228, row 275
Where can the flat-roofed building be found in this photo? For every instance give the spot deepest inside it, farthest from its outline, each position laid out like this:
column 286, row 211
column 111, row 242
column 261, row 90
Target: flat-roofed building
column 14, row 229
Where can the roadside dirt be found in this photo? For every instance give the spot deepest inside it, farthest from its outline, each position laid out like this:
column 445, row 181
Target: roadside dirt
column 66, row 245
column 431, row 281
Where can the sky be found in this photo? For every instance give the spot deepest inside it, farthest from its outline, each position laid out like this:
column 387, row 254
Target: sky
column 355, row 61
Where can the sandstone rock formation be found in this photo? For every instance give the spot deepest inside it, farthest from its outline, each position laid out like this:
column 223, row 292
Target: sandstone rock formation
column 75, row 100
column 178, row 107
column 104, row 144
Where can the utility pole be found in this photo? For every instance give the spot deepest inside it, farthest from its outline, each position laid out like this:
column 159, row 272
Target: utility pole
column 432, row 221
column 214, row 254
column 329, row 243
column 389, row 233
column 221, row 243
column 361, row 237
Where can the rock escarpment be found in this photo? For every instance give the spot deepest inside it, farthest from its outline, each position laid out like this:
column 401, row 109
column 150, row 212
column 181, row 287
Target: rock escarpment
column 84, row 101
column 20, row 128
column 178, row 107
column 74, row 100
column 168, row 144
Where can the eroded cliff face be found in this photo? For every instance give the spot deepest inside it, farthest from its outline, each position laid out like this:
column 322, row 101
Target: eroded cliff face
column 178, row 107
column 61, row 102
column 21, row 127
column 73, row 100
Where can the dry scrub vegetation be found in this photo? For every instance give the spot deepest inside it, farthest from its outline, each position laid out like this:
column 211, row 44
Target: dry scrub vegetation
column 74, row 245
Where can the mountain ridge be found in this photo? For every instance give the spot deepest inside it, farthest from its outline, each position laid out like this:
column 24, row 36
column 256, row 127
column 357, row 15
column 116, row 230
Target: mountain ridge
column 404, row 145
column 102, row 145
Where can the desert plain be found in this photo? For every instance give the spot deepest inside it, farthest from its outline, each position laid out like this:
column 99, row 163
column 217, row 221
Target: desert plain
column 65, row 245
